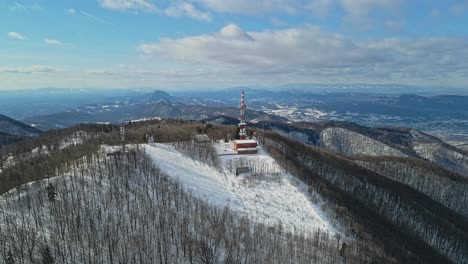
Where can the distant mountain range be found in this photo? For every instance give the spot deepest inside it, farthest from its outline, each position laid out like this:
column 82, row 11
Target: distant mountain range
column 21, row 104
column 446, row 113
column 370, row 105
column 153, row 105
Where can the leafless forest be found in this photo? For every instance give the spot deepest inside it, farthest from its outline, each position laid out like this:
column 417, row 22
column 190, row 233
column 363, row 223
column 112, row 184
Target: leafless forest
column 444, row 186
column 74, row 204
column 122, row 209
column 400, row 214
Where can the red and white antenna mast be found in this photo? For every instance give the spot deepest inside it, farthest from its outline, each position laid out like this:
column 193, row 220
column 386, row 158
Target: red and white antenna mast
column 242, row 124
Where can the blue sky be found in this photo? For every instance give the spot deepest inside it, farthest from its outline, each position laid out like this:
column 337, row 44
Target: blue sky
column 220, row 43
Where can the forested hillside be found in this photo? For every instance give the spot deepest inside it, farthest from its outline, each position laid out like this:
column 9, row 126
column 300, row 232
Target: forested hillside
column 123, row 209
column 444, row 186
column 64, row 198
column 6, row 139
column 13, row 127
column 398, row 215
column 352, row 139
column 12, row 131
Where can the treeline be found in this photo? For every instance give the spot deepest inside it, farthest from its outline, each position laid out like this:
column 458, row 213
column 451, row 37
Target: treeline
column 167, row 130
column 206, row 152
column 201, row 151
column 6, row 139
column 53, row 138
column 410, row 225
column 34, row 159
column 256, row 165
column 122, row 209
column 444, row 186
column 39, row 167
column 175, row 130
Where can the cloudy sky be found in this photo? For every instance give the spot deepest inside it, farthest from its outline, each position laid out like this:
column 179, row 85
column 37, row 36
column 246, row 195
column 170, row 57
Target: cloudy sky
column 172, row 44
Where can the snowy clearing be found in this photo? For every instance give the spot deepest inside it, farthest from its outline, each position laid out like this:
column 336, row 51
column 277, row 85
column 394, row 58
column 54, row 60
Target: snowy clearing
column 267, row 195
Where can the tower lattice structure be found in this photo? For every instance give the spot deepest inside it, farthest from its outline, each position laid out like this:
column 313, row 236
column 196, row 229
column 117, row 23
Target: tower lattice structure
column 242, row 124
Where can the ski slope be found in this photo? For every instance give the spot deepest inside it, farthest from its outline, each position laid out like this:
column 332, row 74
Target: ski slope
column 269, row 195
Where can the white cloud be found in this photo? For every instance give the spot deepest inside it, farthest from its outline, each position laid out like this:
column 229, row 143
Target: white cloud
column 320, row 8
column 132, row 76
column 459, row 8
column 310, row 53
column 28, row 69
column 174, row 9
column 362, row 11
column 249, row 7
column 359, row 12
column 181, row 9
column 70, row 11
column 16, row 35
column 364, row 7
column 356, row 11
column 290, row 48
column 95, row 18
column 17, row 7
column 233, row 31
column 132, row 5
column 52, row 41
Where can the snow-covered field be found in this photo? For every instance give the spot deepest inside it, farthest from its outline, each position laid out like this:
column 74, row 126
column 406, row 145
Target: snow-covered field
column 298, row 113
column 267, row 195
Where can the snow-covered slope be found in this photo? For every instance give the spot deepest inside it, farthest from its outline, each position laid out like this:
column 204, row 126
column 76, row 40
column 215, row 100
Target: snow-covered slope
column 267, row 195
column 352, row 143
column 120, row 208
column 352, row 139
column 437, row 151
column 448, row 158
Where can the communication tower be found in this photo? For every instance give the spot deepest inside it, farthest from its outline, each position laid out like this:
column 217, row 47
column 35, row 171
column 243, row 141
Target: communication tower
column 242, row 123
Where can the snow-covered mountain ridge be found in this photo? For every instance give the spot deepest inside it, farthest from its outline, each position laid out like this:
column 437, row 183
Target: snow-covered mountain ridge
column 351, row 139
column 122, row 208
column 383, row 209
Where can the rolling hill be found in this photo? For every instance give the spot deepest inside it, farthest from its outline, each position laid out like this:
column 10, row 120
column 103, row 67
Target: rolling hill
column 15, row 128
column 302, row 201
column 158, row 104
column 13, row 131
column 353, row 140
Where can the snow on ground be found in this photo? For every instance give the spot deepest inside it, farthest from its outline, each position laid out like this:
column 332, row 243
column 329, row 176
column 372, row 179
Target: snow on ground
column 146, row 119
column 74, row 139
column 268, row 195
